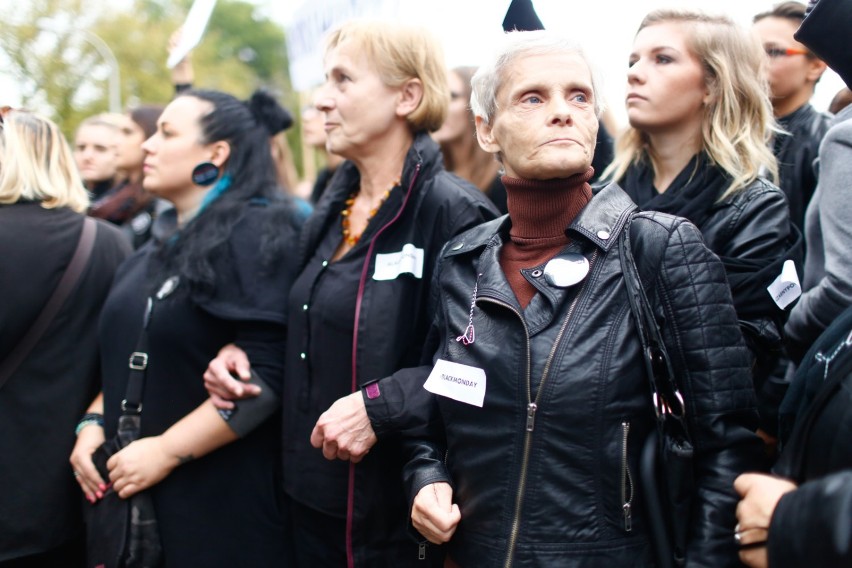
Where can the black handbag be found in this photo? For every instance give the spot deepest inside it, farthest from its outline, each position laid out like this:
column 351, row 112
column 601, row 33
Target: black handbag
column 123, row 533
column 666, row 472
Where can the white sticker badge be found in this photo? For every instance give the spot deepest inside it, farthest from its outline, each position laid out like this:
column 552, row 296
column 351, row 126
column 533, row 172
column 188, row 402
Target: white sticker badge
column 458, row 382
column 786, row 287
column 408, row 260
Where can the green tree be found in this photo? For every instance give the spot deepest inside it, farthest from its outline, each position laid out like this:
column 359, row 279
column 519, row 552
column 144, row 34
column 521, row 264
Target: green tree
column 61, row 73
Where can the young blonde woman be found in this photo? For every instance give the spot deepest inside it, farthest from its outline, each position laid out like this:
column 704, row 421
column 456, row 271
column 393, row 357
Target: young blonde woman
column 697, row 147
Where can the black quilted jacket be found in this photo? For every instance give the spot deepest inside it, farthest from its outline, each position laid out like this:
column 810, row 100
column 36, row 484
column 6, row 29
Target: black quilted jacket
column 556, row 484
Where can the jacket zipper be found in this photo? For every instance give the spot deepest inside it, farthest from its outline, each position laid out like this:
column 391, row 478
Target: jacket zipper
column 350, row 500
column 626, row 480
column 532, row 407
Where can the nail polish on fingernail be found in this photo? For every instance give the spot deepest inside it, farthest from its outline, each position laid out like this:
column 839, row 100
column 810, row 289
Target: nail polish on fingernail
column 102, row 486
column 100, row 495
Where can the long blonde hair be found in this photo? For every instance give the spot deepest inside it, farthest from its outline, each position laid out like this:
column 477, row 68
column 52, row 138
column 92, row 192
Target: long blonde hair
column 36, row 164
column 738, row 121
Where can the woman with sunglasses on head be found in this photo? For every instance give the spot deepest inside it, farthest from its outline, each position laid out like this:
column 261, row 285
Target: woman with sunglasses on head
column 700, row 119
column 216, row 271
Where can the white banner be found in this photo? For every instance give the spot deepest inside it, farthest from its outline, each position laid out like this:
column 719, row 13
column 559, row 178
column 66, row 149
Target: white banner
column 192, row 30
column 310, row 24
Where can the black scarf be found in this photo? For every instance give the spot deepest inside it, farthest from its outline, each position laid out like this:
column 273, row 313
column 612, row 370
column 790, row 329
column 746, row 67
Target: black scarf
column 693, row 195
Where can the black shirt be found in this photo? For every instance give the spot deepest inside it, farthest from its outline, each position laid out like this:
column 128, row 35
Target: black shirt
column 43, row 400
column 223, row 508
column 322, row 304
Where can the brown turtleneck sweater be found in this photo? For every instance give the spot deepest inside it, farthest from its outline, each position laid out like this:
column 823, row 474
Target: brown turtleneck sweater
column 541, row 212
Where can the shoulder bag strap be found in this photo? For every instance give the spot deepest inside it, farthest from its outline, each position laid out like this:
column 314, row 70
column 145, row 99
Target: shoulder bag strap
column 66, row 284
column 666, row 395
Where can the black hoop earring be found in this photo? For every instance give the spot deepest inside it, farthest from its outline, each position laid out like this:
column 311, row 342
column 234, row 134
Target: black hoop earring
column 205, row 173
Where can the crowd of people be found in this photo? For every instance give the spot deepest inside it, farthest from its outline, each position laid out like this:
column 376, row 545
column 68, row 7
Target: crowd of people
column 467, row 341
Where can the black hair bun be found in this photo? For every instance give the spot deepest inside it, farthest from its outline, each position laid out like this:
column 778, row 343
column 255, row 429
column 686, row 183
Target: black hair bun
column 268, row 113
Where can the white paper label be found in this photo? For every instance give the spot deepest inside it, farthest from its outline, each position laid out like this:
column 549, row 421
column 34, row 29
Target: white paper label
column 408, row 260
column 786, row 287
column 458, row 382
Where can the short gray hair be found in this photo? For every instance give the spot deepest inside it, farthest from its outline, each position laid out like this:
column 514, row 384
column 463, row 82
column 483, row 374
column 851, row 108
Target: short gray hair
column 488, row 78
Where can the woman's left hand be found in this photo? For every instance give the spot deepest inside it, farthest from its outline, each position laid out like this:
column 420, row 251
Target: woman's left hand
column 140, row 465
column 760, row 495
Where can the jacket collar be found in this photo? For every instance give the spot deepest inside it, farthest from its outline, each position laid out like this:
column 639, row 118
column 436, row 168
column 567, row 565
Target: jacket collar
column 600, row 222
column 423, row 152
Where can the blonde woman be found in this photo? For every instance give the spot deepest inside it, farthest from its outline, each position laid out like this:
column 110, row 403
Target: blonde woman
column 358, row 310
column 42, row 206
column 697, row 147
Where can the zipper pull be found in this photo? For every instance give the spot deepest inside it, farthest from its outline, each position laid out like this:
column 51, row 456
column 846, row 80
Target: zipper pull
column 628, row 517
column 531, row 416
column 421, row 552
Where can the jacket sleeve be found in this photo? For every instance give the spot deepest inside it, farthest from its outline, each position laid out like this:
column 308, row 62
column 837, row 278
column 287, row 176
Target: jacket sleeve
column 403, row 402
column 820, row 304
column 811, row 527
column 711, row 363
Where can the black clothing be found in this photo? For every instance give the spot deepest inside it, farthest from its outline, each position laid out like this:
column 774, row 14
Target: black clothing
column 131, row 208
column 321, row 538
column 224, row 508
column 320, row 184
column 796, row 154
column 387, row 323
column 749, row 231
column 825, row 31
column 42, row 402
column 810, row 526
column 558, row 475
column 604, row 152
column 496, row 192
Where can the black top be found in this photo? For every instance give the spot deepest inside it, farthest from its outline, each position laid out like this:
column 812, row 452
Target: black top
column 222, row 509
column 429, row 207
column 796, row 153
column 42, row 402
column 326, row 293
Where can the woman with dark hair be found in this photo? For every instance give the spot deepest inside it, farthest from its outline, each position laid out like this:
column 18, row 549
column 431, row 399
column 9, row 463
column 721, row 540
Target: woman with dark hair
column 127, row 204
column 215, row 272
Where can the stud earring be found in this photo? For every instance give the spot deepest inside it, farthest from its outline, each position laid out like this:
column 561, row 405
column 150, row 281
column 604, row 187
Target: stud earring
column 205, row 173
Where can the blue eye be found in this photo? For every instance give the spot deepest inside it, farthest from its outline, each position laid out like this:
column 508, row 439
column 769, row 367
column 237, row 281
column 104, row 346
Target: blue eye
column 664, row 59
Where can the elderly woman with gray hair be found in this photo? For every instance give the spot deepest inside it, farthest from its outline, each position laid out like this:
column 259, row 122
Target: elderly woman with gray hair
column 528, row 452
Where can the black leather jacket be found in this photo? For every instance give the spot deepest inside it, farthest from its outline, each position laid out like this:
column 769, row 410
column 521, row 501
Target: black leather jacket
column 796, row 153
column 391, row 327
column 556, row 484
column 754, row 224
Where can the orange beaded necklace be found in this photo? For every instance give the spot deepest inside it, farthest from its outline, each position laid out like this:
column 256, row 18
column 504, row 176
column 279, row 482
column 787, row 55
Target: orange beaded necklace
column 348, row 237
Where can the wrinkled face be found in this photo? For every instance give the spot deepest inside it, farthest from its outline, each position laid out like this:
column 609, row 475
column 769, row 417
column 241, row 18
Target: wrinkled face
column 175, row 149
column 459, row 122
column 359, row 108
column 129, row 145
column 666, row 89
column 95, row 152
column 789, row 74
column 545, row 125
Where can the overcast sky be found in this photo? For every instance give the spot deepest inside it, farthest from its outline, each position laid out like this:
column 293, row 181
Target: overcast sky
column 605, row 27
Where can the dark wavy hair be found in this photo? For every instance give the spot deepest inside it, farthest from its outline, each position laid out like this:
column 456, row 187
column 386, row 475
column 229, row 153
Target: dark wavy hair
column 203, row 243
